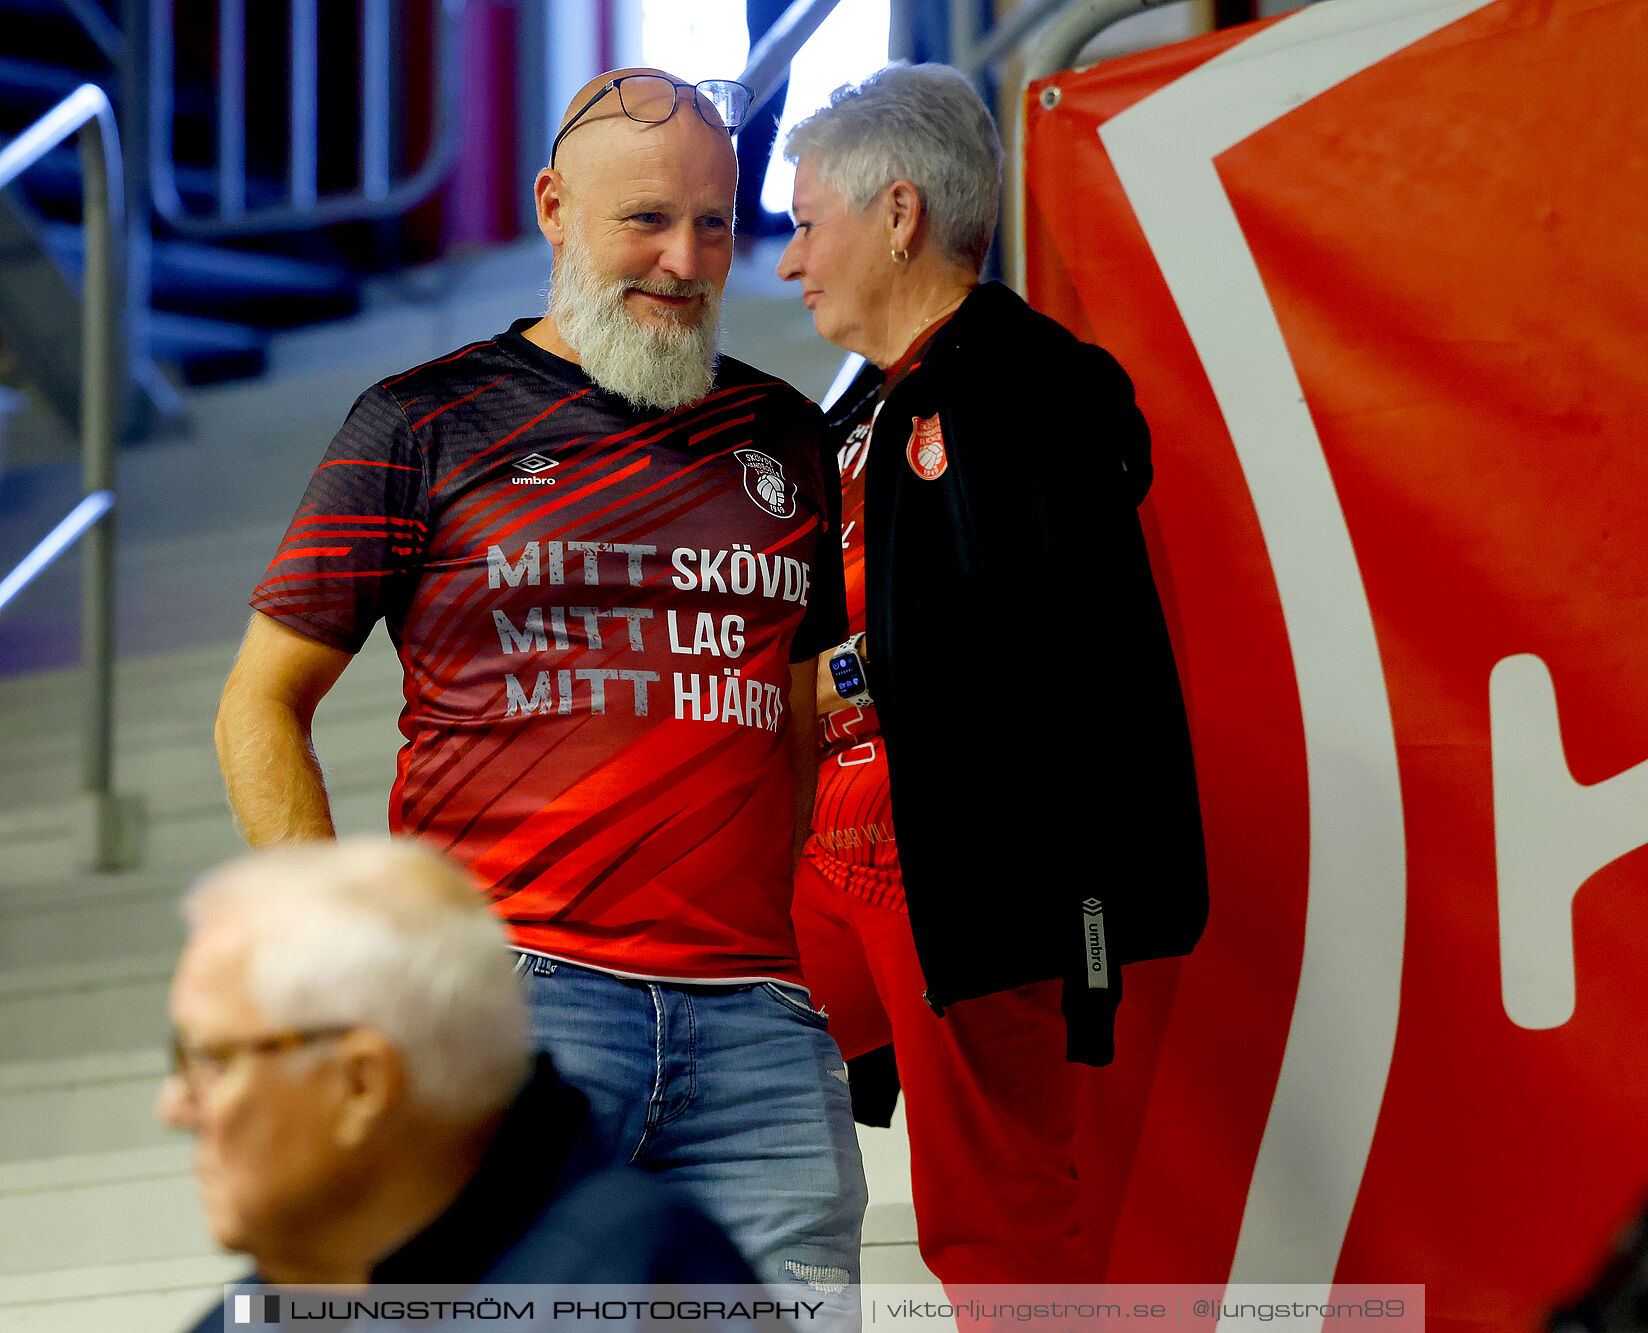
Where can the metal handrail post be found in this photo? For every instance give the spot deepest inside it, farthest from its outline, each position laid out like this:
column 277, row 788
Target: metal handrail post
column 136, row 125
column 963, row 34
column 1067, row 32
column 769, row 63
column 1004, row 38
column 101, row 374
column 87, row 114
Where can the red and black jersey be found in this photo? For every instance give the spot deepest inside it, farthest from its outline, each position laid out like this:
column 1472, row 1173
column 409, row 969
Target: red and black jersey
column 852, row 844
column 596, row 610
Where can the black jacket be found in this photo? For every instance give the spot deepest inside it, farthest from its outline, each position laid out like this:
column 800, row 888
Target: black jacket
column 530, row 1216
column 1036, row 737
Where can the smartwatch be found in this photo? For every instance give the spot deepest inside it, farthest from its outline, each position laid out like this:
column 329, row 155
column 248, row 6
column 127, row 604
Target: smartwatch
column 847, row 670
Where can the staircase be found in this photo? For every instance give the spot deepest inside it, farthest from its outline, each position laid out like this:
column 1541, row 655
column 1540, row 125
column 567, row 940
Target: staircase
column 211, row 308
column 99, row 1226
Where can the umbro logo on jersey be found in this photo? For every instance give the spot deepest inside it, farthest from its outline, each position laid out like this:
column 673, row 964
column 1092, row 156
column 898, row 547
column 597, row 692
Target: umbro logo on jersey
column 532, row 465
column 765, row 483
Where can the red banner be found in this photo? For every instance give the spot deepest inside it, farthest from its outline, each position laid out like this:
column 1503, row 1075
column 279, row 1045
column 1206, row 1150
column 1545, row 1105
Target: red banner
column 1379, row 270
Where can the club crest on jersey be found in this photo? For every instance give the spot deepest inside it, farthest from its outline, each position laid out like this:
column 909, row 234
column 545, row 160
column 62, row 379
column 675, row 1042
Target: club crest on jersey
column 925, row 450
column 765, row 483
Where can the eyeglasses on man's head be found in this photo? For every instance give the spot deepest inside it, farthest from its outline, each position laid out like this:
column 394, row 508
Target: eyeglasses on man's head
column 651, row 99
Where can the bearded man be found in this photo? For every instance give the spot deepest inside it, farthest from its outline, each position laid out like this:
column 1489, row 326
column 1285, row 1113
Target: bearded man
column 608, row 559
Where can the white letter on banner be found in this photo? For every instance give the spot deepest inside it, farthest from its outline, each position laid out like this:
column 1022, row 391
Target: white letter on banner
column 1551, row 834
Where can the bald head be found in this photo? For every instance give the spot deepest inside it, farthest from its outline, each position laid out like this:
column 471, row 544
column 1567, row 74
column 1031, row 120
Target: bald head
column 646, row 100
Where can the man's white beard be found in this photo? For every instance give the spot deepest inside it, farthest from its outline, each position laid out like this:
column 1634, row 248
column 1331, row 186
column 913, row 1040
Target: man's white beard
column 661, row 368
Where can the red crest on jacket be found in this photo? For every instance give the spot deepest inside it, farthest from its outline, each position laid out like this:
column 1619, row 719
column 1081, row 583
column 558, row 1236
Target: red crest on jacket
column 926, row 448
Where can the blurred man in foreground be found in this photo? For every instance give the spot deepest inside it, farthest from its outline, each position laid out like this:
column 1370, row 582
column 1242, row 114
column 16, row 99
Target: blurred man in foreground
column 351, row 1055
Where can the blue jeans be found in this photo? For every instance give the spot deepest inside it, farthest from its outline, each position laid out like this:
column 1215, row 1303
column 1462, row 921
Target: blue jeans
column 736, row 1093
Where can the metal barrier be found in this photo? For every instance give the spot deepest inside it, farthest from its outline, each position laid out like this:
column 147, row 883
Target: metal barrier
column 769, row 63
column 86, row 114
column 378, row 194
column 1070, row 27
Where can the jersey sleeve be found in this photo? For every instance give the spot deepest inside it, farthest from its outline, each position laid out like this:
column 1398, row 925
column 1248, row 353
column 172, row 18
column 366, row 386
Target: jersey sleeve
column 354, row 547
column 825, row 623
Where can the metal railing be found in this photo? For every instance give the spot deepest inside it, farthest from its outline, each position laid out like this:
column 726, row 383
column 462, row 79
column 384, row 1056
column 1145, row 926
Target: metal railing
column 769, row 61
column 376, row 194
column 87, row 115
column 1070, row 27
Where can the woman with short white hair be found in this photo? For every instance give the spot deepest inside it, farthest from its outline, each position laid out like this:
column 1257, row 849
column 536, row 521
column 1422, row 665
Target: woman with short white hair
column 1007, row 704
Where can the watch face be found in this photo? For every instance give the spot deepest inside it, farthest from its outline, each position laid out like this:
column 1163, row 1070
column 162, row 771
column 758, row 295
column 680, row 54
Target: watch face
column 849, row 680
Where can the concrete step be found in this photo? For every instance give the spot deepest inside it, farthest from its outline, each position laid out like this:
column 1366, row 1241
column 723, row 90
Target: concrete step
column 889, row 1252
column 177, row 772
column 45, row 846
column 73, row 1009
column 164, row 711
column 79, row 1104
column 193, row 828
column 50, row 914
column 54, row 1191
column 138, row 1209
column 186, row 681
column 129, row 1206
column 40, row 701
column 90, row 918
column 44, row 719
column 164, row 1295
column 156, row 1296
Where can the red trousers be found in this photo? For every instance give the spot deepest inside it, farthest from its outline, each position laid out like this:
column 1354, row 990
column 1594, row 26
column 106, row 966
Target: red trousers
column 990, row 1101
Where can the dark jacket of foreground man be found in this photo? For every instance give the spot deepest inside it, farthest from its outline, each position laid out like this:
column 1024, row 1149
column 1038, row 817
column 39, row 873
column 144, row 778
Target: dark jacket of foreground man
column 1037, row 744
column 527, row 1218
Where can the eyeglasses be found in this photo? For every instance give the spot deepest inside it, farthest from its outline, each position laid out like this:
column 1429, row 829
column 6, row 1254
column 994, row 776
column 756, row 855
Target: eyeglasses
column 652, row 100
column 195, row 1063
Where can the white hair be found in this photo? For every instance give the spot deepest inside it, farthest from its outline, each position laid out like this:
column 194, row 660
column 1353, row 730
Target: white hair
column 920, row 123
column 657, row 368
column 385, row 934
